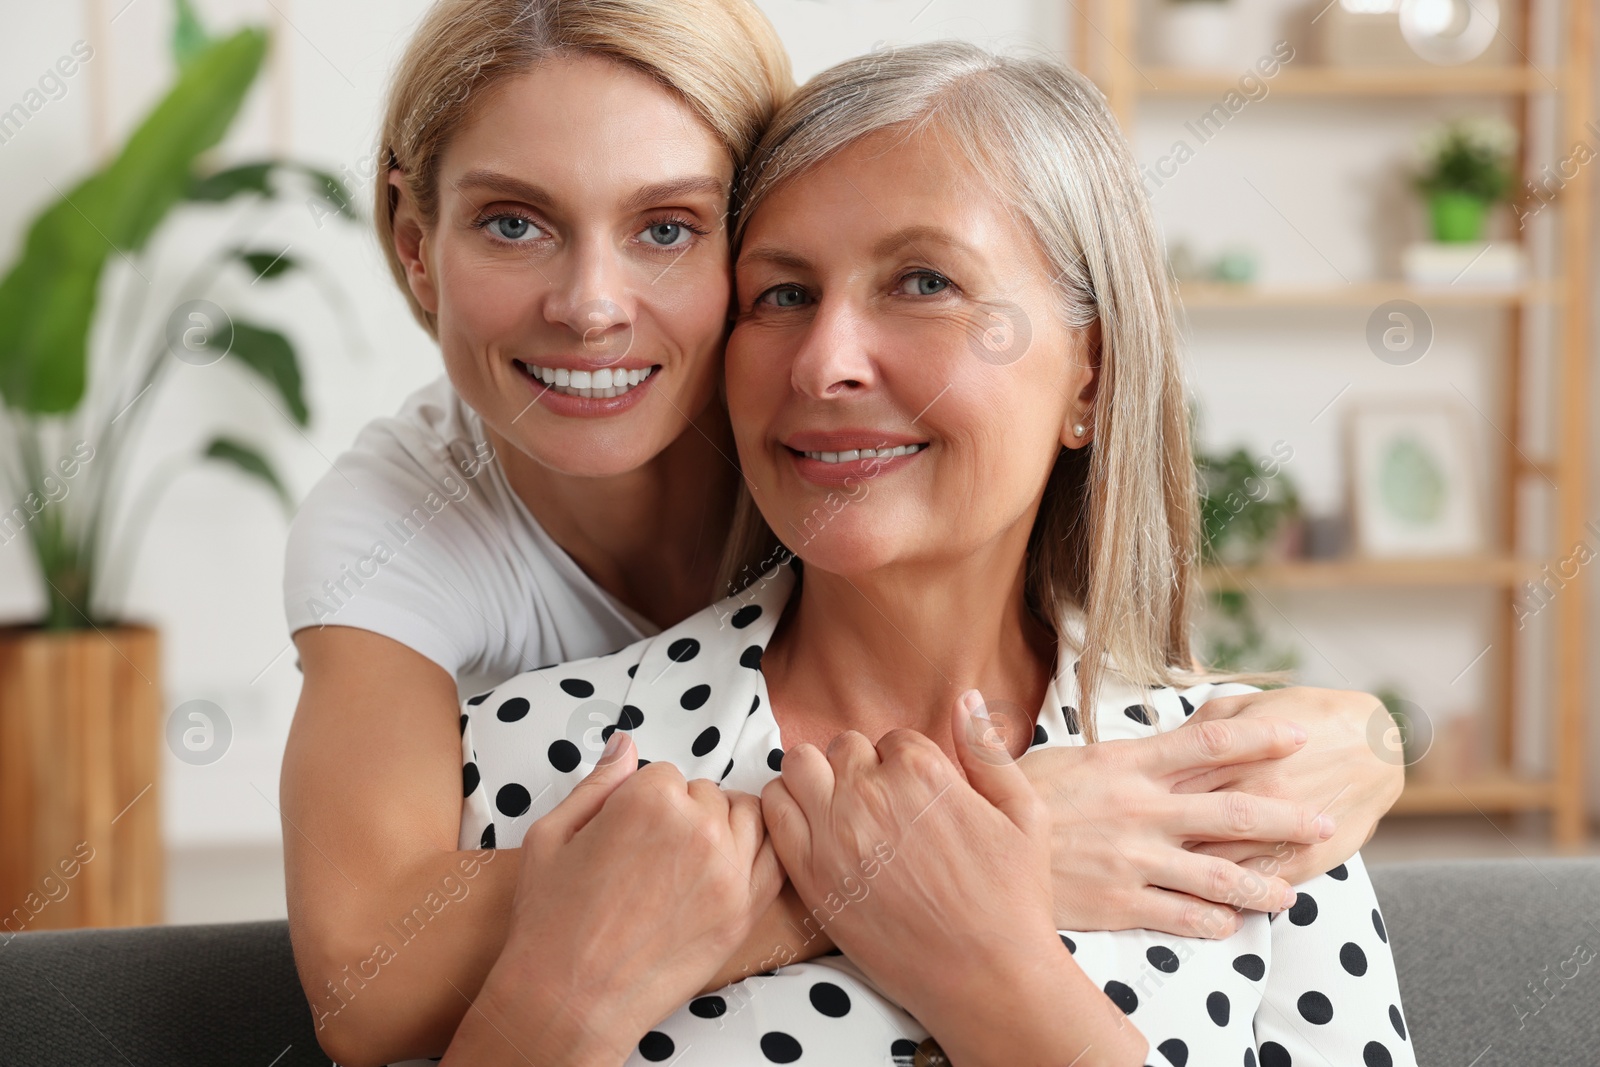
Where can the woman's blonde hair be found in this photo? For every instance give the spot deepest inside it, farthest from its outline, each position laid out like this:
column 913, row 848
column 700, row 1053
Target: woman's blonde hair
column 722, row 57
column 1117, row 534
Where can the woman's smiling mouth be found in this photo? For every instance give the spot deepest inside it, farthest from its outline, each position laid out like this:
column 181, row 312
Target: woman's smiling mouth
column 604, row 383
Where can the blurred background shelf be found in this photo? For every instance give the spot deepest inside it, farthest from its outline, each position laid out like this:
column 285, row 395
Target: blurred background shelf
column 1493, row 792
column 1366, row 573
column 1334, row 81
column 1537, row 349
column 1364, row 295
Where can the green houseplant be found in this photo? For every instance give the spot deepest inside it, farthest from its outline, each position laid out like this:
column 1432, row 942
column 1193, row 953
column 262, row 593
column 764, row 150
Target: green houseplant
column 80, row 704
column 1467, row 168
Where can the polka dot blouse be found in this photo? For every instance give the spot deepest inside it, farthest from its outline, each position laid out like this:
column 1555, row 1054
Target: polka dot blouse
column 1313, row 986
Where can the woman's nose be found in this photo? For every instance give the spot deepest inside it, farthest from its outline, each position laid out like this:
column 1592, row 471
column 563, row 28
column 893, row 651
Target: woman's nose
column 589, row 297
column 834, row 359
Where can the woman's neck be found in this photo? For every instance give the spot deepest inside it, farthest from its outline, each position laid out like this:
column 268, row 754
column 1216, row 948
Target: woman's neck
column 652, row 537
column 897, row 649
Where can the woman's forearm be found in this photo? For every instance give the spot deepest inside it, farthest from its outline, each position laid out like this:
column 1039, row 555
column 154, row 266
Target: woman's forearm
column 389, row 968
column 786, row 933
column 1044, row 1012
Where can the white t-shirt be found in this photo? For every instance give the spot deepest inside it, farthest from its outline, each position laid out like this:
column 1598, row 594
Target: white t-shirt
column 416, row 535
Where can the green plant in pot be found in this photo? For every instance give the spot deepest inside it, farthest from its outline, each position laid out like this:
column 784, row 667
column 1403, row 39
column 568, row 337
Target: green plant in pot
column 1467, row 169
column 1244, row 505
column 80, row 684
column 66, row 472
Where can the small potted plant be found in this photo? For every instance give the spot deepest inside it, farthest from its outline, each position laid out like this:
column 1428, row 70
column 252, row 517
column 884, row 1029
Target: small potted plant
column 1467, row 168
column 80, row 695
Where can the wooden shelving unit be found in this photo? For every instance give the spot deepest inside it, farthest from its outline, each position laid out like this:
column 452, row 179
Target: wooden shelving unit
column 1105, row 46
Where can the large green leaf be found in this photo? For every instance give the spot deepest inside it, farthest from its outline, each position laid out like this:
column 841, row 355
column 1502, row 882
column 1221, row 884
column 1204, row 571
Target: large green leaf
column 251, row 462
column 269, row 354
column 256, row 178
column 48, row 297
column 189, row 37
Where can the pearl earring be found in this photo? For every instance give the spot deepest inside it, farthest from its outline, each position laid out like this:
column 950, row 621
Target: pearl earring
column 1079, row 429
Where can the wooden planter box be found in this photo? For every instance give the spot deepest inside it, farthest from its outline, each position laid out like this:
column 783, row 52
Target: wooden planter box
column 80, row 760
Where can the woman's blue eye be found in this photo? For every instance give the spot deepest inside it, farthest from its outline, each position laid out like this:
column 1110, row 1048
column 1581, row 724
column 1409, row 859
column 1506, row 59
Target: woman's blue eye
column 785, row 296
column 510, row 227
column 666, row 234
column 925, row 284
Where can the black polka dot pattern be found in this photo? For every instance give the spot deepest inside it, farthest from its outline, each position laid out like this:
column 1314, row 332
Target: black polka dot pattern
column 1316, row 986
column 830, row 1000
column 1303, row 912
column 656, row 1046
column 1123, row 996
column 779, row 1047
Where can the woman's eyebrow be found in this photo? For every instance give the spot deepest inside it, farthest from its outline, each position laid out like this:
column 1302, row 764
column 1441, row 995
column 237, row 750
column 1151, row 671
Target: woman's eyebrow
column 914, row 237
column 675, row 189
column 777, row 257
column 506, row 185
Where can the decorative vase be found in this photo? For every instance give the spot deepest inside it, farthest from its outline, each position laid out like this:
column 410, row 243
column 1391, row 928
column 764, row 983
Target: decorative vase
column 1196, row 34
column 80, row 761
column 1457, row 217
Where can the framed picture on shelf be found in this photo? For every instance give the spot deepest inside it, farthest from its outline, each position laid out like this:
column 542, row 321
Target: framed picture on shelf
column 1414, row 483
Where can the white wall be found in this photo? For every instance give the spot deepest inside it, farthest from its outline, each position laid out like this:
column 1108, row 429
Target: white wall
column 209, row 569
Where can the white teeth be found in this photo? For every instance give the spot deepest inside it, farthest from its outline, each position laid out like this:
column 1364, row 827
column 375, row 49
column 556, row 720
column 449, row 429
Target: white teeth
column 601, row 384
column 864, row 453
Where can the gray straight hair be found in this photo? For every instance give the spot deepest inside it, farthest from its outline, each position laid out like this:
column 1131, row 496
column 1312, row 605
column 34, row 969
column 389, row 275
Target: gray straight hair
column 1117, row 533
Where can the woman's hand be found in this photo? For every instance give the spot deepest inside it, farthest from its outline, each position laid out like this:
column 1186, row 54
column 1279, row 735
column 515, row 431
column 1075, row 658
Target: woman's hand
column 1119, row 827
column 631, row 894
column 1344, row 770
column 939, row 890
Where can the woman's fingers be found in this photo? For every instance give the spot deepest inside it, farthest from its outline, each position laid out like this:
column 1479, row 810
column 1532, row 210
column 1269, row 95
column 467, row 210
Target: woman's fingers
column 809, row 776
column 1197, row 747
column 990, row 768
column 1180, row 914
column 1219, row 881
column 1233, row 816
column 787, row 826
column 617, row 762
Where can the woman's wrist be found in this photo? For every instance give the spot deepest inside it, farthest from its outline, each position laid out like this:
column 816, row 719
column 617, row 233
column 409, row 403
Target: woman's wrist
column 1036, row 1009
column 520, row 1019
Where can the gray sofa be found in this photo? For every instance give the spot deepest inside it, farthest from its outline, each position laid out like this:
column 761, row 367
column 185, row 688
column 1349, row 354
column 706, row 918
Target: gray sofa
column 1499, row 967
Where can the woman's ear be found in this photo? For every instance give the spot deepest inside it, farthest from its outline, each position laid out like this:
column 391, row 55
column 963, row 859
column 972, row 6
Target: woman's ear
column 411, row 243
column 1084, row 385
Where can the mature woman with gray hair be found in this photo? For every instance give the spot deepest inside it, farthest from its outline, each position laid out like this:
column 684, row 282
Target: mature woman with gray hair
column 954, row 386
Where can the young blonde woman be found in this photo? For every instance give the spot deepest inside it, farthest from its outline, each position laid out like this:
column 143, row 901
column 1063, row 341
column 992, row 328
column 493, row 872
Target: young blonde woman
column 553, row 204
column 898, row 203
